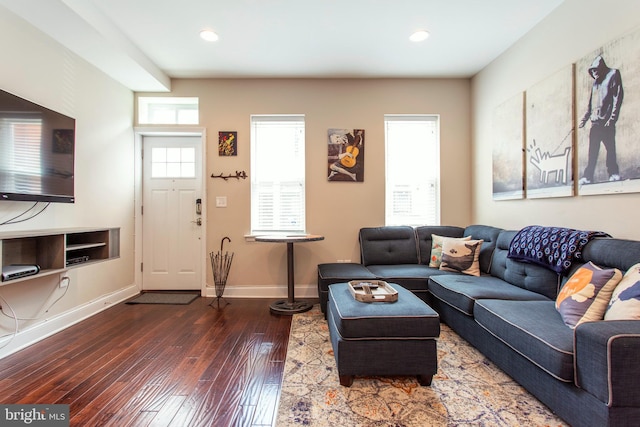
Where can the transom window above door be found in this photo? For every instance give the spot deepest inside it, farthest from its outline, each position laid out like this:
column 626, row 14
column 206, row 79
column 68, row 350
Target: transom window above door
column 168, row 110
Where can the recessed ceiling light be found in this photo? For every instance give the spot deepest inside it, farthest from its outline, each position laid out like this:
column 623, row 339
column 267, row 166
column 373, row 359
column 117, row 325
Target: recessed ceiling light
column 208, row 35
column 419, row 36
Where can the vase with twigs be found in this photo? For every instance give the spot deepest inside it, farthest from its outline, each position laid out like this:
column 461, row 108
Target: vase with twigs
column 220, row 265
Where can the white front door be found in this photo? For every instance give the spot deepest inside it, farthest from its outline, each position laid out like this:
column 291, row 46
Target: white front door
column 171, row 215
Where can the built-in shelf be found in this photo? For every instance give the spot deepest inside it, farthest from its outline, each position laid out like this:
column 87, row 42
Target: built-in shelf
column 56, row 251
column 85, row 246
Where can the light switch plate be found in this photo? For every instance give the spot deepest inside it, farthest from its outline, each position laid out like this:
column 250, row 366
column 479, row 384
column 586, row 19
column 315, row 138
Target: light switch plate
column 221, row 201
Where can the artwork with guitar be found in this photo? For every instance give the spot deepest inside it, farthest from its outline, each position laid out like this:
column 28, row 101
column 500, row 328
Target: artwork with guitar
column 344, row 148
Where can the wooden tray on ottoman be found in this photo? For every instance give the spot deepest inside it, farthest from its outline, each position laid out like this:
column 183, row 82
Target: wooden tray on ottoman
column 372, row 291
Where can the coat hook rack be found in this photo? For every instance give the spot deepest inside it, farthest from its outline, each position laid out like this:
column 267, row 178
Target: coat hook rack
column 238, row 175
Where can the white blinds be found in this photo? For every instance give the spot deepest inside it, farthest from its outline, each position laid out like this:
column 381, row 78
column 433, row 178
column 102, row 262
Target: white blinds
column 277, row 174
column 412, row 186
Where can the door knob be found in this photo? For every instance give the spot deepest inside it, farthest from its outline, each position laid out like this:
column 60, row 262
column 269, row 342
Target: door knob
column 198, row 221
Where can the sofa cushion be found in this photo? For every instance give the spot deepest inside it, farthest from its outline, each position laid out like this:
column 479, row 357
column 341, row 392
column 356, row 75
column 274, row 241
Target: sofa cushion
column 436, row 249
column 414, row 277
column 534, row 329
column 337, row 272
column 461, row 255
column 342, row 272
column 489, row 236
column 461, row 291
column 585, row 296
column 425, row 242
column 388, row 245
column 617, row 253
column 528, row 276
column 625, row 299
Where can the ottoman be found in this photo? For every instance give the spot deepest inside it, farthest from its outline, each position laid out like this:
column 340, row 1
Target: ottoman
column 382, row 338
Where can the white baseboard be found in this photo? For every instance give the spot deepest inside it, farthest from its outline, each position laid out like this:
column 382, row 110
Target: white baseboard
column 301, row 291
column 49, row 326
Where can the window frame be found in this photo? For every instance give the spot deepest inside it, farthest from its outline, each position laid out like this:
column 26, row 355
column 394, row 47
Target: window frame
column 294, row 155
column 170, row 104
column 431, row 179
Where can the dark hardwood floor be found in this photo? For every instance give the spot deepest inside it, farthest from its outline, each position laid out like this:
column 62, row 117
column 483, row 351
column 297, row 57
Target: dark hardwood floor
column 158, row 365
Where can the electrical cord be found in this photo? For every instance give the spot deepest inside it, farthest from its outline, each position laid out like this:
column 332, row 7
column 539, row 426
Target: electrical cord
column 15, row 332
column 15, row 317
column 66, row 289
column 19, row 215
column 12, row 220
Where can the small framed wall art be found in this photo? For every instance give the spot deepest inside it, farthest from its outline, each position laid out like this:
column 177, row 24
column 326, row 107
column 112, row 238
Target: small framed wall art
column 228, row 143
column 346, row 155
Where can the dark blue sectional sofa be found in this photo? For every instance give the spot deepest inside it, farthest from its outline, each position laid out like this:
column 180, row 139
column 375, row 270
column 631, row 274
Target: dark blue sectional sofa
column 589, row 376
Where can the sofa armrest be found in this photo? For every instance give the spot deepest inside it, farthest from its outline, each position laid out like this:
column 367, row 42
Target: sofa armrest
column 606, row 361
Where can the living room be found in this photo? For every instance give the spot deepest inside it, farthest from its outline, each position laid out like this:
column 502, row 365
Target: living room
column 106, row 194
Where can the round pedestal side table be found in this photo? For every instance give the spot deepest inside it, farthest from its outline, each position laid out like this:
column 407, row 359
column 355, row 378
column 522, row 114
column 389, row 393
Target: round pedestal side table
column 290, row 305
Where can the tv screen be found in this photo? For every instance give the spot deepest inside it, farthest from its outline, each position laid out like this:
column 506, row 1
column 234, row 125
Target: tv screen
column 37, row 148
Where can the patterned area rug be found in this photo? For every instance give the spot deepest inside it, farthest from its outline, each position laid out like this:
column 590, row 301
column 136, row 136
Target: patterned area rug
column 468, row 389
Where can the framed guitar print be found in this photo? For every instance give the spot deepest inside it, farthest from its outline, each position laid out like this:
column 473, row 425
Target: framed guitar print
column 345, row 155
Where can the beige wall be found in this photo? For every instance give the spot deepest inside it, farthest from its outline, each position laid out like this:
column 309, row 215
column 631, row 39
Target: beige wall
column 336, row 210
column 574, row 29
column 37, row 68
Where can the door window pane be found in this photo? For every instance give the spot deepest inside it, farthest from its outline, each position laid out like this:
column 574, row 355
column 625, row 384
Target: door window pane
column 173, row 162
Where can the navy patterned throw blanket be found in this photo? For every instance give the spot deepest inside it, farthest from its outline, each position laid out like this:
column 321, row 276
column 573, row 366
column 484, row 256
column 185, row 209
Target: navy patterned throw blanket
column 551, row 247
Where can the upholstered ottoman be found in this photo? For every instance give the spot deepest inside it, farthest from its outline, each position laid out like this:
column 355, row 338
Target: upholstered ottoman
column 382, row 338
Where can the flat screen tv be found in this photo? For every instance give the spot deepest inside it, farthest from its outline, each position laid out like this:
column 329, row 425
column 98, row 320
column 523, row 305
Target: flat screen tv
column 37, row 147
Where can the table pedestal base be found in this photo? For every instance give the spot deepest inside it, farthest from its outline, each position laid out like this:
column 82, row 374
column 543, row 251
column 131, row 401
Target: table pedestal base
column 290, row 305
column 286, row 307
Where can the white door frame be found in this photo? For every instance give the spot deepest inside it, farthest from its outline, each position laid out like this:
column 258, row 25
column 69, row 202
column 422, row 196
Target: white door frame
column 139, row 134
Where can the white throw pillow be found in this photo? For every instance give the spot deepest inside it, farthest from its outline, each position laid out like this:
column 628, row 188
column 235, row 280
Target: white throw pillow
column 625, row 300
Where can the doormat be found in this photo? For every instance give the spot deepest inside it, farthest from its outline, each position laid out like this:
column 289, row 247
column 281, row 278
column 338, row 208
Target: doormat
column 163, row 298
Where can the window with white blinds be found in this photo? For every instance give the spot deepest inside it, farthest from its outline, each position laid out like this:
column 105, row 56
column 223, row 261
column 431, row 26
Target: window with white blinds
column 277, row 174
column 412, row 184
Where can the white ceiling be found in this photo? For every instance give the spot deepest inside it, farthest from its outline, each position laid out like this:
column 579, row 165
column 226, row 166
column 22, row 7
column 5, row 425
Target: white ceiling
column 145, row 43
